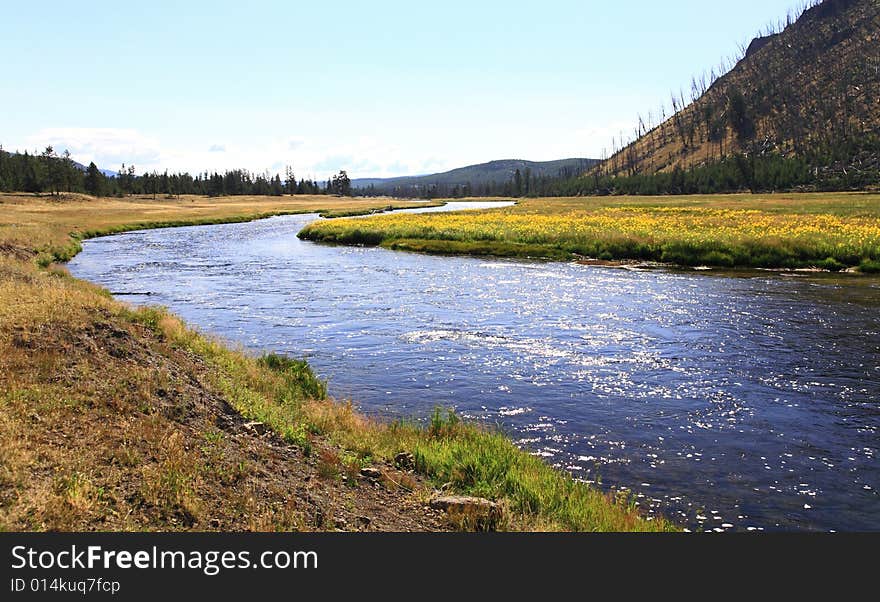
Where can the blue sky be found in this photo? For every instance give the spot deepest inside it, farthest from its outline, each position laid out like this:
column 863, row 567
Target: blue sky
column 378, row 88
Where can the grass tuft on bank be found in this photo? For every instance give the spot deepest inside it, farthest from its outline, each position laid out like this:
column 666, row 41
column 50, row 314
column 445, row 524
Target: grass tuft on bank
column 285, row 395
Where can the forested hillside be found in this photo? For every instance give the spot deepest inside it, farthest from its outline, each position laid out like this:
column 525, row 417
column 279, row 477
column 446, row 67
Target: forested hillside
column 506, row 177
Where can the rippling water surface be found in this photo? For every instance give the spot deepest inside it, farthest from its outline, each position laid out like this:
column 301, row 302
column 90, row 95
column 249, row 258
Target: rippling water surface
column 726, row 402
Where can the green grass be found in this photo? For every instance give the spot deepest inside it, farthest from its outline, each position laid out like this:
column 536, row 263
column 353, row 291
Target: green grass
column 329, row 214
column 456, row 247
column 487, row 464
column 285, row 395
column 869, row 266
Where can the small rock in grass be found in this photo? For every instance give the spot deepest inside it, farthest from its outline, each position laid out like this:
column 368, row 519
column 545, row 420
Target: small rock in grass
column 256, row 427
column 476, row 512
column 405, row 461
column 371, row 473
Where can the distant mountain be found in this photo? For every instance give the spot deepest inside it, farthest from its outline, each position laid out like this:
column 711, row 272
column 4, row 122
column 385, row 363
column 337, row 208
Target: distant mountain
column 107, row 172
column 492, row 174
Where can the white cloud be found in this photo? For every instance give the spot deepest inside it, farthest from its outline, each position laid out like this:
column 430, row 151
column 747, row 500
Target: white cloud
column 315, row 158
column 319, row 159
column 107, row 147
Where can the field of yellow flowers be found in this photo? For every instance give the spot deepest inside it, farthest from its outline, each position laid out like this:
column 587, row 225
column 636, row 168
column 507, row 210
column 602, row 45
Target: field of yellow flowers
column 730, row 231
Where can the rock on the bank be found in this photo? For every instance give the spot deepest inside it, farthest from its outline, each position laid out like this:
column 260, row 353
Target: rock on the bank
column 475, row 512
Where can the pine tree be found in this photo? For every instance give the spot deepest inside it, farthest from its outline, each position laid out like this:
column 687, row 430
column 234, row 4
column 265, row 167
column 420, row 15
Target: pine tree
column 69, row 173
column 277, row 188
column 53, row 169
column 95, row 182
column 4, row 176
column 340, row 184
column 290, row 186
column 32, row 180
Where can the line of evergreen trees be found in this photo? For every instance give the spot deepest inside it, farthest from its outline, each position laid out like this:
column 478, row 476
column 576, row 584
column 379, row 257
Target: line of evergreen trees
column 49, row 172
column 845, row 165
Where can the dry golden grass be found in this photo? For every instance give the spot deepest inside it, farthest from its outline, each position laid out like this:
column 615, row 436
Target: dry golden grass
column 108, row 423
column 45, row 224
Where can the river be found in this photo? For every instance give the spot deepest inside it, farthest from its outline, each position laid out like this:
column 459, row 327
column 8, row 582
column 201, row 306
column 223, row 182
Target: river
column 726, row 401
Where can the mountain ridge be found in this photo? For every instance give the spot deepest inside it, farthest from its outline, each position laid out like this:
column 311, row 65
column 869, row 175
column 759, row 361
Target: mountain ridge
column 498, row 171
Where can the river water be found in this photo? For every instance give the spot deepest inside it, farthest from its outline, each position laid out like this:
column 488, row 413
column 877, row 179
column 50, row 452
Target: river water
column 737, row 401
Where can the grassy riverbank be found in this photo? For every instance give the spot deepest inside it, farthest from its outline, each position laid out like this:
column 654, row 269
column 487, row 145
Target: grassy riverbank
column 53, row 226
column 832, row 231
column 115, row 418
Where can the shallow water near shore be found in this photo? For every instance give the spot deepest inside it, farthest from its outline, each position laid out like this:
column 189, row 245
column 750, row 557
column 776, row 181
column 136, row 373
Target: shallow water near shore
column 732, row 401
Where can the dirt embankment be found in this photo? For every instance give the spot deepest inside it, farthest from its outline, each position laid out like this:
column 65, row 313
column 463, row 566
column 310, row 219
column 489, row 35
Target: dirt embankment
column 108, row 427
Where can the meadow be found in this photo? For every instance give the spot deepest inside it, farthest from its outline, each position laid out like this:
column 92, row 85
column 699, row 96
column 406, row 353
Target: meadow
column 121, row 418
column 831, row 231
column 53, row 225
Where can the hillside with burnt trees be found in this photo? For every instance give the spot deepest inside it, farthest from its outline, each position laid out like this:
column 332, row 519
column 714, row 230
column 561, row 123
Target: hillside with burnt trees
column 799, row 109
